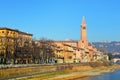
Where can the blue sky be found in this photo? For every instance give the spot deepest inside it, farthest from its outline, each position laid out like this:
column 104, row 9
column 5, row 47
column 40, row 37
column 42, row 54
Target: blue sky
column 61, row 19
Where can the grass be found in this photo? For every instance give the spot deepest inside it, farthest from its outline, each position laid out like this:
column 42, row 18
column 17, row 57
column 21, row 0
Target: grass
column 45, row 76
column 16, row 72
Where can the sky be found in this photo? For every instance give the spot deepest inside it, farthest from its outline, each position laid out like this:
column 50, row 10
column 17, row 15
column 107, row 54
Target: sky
column 61, row 19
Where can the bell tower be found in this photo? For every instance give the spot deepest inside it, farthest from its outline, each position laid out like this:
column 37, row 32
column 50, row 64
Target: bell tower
column 83, row 43
column 83, row 30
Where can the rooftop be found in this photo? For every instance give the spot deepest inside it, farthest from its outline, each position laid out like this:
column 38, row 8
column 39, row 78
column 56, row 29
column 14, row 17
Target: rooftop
column 6, row 28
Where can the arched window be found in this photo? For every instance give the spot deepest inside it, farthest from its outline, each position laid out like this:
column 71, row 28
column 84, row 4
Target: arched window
column 84, row 27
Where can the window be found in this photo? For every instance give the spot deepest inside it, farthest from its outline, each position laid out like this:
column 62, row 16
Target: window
column 2, row 31
column 84, row 27
column 69, row 57
column 3, row 47
column 3, row 39
column 2, row 52
column 8, row 40
column 7, row 32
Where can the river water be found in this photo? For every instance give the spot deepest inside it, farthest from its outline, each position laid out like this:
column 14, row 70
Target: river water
column 108, row 76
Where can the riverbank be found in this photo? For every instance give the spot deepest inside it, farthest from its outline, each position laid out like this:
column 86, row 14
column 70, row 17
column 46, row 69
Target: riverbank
column 85, row 71
column 76, row 73
column 54, row 72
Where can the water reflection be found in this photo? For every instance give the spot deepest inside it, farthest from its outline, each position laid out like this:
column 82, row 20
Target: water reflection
column 110, row 76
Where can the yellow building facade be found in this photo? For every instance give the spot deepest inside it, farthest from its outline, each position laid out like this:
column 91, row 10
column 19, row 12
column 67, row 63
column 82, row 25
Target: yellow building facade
column 8, row 41
column 24, row 48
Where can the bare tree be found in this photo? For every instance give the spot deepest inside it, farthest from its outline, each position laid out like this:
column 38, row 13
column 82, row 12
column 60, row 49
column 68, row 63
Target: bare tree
column 43, row 51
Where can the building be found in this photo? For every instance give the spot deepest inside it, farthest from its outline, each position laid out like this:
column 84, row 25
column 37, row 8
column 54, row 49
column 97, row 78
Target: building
column 82, row 49
column 24, row 48
column 10, row 41
column 24, row 39
column 65, row 53
column 83, row 42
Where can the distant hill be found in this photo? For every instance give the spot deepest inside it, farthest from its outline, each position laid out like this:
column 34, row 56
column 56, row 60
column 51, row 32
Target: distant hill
column 109, row 47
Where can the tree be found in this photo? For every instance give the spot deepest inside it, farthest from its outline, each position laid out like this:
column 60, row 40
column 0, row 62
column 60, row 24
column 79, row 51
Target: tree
column 110, row 56
column 43, row 51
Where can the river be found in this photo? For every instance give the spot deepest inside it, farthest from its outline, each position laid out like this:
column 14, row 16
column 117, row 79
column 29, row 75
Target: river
column 108, row 76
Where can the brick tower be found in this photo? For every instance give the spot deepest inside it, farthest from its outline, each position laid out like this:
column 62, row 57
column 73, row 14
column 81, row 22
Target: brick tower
column 83, row 43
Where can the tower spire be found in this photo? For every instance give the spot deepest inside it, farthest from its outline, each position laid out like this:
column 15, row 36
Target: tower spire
column 83, row 21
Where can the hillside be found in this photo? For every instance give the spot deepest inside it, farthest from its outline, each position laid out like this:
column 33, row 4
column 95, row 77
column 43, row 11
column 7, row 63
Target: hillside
column 109, row 47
